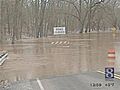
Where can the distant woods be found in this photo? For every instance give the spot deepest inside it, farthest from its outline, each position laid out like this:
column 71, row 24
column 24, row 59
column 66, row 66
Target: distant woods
column 36, row 18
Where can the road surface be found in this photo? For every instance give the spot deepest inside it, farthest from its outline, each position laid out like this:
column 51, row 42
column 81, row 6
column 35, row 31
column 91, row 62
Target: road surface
column 84, row 81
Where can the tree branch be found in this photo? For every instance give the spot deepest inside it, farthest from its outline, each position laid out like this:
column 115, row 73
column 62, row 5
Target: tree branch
column 73, row 6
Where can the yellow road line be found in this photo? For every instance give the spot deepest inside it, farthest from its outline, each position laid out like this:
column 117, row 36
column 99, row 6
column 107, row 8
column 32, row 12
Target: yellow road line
column 101, row 72
column 117, row 76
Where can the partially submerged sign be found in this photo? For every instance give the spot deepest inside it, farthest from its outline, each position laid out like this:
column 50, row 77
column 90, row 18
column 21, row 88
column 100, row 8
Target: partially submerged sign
column 59, row 30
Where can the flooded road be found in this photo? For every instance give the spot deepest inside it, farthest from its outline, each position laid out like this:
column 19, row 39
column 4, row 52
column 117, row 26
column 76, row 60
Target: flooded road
column 58, row 56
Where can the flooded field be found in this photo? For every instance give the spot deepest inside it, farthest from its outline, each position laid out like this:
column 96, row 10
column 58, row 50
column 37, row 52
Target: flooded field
column 58, row 56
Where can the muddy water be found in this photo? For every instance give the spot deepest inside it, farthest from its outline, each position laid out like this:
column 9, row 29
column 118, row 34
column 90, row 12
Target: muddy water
column 56, row 56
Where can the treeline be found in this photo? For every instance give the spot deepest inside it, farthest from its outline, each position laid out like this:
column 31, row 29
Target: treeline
column 36, row 18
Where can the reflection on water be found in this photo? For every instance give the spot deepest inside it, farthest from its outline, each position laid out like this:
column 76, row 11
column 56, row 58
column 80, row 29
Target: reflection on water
column 34, row 58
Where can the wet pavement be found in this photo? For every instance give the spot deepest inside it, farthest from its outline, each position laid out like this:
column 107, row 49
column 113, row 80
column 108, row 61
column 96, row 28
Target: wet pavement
column 84, row 81
column 58, row 56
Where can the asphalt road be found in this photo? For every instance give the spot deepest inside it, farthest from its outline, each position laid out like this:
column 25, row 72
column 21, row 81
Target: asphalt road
column 84, row 81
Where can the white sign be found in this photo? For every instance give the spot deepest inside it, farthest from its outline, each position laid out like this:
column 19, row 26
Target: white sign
column 59, row 30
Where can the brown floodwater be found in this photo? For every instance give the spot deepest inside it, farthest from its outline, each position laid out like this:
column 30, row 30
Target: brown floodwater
column 58, row 56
